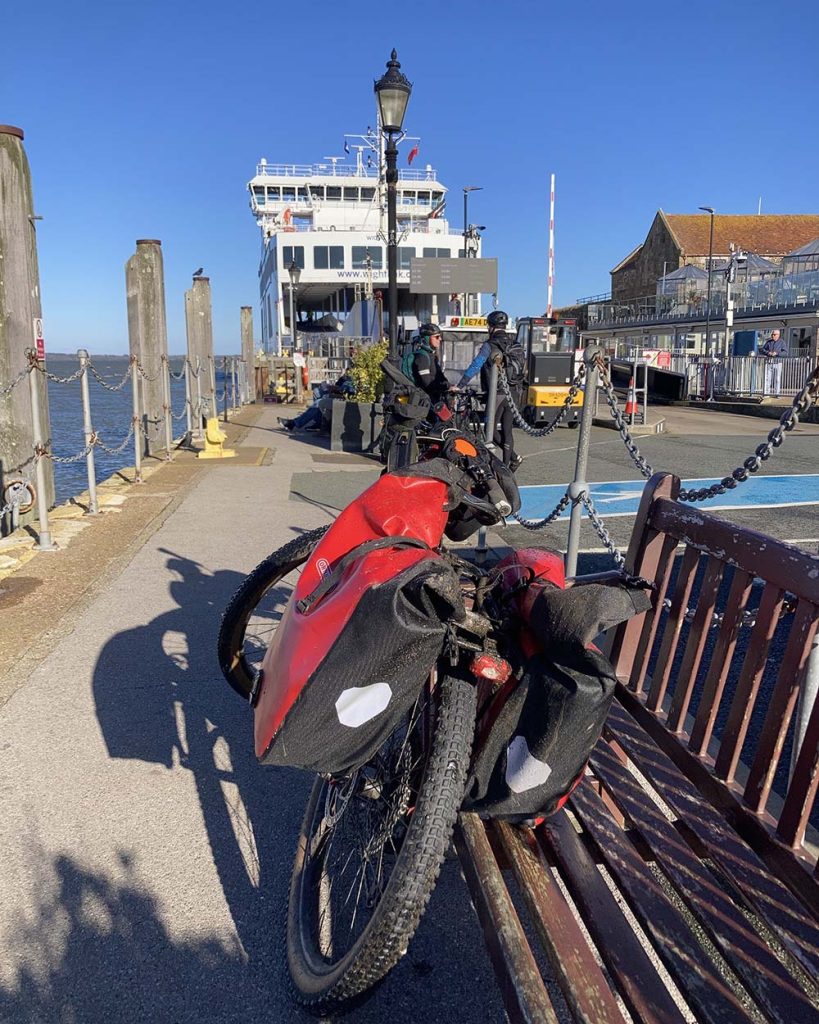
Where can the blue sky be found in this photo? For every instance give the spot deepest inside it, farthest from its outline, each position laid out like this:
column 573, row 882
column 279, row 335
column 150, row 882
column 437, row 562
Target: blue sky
column 147, row 121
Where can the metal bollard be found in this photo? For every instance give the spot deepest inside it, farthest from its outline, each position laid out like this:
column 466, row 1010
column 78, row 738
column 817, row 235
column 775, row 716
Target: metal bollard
column 44, row 542
column 166, row 397
column 88, row 430
column 234, row 377
column 212, row 362
column 578, row 487
column 188, row 416
column 199, row 401
column 135, row 409
column 225, row 400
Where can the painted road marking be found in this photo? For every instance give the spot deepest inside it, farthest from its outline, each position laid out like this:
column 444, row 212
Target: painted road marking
column 622, row 497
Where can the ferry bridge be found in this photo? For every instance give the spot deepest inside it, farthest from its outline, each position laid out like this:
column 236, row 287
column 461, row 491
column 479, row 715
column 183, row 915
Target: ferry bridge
column 144, row 856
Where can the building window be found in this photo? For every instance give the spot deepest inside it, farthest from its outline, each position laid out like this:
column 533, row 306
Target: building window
column 360, row 257
column 437, row 253
column 291, row 253
column 328, row 257
column 405, row 254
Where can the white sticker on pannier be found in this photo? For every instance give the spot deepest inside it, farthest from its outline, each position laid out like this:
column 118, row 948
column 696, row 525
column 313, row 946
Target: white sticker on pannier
column 360, row 704
column 523, row 771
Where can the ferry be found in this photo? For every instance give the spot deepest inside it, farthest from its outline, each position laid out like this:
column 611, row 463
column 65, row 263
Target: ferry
column 330, row 219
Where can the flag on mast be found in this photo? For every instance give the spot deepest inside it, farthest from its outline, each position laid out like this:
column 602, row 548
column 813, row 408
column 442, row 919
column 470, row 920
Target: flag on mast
column 346, row 146
column 413, row 153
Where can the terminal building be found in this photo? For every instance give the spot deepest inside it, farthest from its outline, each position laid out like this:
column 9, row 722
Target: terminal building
column 764, row 275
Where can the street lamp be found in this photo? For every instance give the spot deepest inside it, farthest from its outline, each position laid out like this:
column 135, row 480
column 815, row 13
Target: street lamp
column 708, row 345
column 467, row 190
column 295, row 273
column 393, row 92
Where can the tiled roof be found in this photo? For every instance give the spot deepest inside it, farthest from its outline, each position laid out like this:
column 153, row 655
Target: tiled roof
column 769, row 234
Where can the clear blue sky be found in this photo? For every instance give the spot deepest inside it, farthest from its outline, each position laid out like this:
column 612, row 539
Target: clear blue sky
column 147, row 120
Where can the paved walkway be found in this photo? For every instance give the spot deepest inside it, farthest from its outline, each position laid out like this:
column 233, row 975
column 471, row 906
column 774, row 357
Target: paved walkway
column 144, row 856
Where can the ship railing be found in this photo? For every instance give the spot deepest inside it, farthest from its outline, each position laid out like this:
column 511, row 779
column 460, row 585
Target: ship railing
column 339, row 171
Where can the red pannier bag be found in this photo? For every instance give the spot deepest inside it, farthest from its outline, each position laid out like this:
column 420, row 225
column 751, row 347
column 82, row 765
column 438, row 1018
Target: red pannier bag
column 362, row 631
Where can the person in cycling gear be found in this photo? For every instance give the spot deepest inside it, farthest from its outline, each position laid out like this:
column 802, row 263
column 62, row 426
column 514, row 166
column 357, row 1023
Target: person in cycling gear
column 422, row 363
column 492, row 351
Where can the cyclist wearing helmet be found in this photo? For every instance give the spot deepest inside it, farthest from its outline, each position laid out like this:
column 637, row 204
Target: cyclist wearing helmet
column 422, row 365
column 492, row 351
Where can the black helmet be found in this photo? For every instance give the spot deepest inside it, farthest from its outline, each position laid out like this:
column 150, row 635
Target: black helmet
column 427, row 330
column 497, row 319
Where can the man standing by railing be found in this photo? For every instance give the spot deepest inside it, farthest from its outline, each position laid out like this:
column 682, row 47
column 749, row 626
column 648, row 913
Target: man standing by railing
column 773, row 350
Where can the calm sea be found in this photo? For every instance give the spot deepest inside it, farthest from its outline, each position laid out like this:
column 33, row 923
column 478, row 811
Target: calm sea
column 110, row 417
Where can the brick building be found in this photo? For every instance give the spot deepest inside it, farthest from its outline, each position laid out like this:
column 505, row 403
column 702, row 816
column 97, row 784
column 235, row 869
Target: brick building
column 677, row 239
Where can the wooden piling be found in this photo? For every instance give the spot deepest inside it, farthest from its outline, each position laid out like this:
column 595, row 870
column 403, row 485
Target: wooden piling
column 148, row 337
column 20, row 313
column 248, row 355
column 199, row 324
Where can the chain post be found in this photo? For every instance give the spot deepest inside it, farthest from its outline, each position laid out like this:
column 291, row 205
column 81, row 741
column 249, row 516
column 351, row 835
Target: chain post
column 135, row 412
column 578, row 486
column 166, row 396
column 88, row 430
column 235, row 378
column 225, row 392
column 199, row 402
column 212, row 361
column 188, row 417
column 44, row 542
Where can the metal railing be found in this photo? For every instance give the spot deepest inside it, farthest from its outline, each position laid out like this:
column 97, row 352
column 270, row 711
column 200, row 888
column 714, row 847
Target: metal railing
column 747, row 376
column 330, row 170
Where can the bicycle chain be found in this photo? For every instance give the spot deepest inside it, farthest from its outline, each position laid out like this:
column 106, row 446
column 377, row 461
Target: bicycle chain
column 517, row 416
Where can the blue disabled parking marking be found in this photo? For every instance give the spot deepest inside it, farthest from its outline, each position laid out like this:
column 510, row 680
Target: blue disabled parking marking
column 622, row 497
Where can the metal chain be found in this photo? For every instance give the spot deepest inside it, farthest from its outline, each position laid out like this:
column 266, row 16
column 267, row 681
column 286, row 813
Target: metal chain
column 142, row 373
column 4, row 511
column 198, row 369
column 7, row 390
column 747, row 619
column 42, row 452
column 176, row 376
column 109, row 387
column 538, row 524
column 517, row 416
column 602, row 532
column 53, row 376
column 181, row 415
column 787, row 421
column 120, row 447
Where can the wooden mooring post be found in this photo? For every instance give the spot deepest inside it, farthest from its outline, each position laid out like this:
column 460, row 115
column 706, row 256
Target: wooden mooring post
column 199, row 324
column 248, row 355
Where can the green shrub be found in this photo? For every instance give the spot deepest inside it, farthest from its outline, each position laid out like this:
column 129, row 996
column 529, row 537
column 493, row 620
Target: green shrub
column 367, row 373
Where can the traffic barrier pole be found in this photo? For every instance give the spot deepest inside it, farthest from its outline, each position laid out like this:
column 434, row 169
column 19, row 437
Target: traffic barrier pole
column 88, row 430
column 44, row 542
column 578, row 486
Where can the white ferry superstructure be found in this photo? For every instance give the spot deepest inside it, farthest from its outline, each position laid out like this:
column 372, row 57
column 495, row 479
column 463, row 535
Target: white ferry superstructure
column 330, row 218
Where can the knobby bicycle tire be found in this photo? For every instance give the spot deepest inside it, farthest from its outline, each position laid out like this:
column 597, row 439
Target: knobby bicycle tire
column 230, row 648
column 322, row 985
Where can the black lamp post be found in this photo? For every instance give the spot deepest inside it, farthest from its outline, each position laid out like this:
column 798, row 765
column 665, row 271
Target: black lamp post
column 295, row 273
column 393, row 92
column 467, row 190
column 708, row 346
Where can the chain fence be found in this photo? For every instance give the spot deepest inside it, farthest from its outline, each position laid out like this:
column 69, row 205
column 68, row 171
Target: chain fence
column 8, row 388
column 102, row 382
column 517, row 415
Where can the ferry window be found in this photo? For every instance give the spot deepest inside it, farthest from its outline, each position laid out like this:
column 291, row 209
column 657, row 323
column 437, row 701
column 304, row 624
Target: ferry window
column 405, row 254
column 288, row 194
column 293, row 252
column 317, row 191
column 274, row 194
column 328, row 257
column 367, row 194
column 360, row 256
column 351, row 194
column 258, row 193
column 407, row 198
column 423, row 198
column 334, row 192
column 437, row 197
column 437, row 253
column 302, row 194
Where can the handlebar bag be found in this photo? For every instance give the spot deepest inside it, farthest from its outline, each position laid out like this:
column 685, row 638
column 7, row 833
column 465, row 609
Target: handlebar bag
column 536, row 749
column 361, row 632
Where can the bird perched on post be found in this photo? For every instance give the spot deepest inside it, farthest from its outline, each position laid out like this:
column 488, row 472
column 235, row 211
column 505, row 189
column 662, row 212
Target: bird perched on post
column 199, row 272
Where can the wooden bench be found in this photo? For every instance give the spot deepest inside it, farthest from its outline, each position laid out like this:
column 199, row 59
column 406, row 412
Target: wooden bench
column 683, row 853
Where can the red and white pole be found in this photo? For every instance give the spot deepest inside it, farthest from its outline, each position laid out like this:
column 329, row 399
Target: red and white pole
column 551, row 285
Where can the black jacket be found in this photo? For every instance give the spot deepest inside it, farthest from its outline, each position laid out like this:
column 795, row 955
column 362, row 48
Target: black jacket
column 428, row 375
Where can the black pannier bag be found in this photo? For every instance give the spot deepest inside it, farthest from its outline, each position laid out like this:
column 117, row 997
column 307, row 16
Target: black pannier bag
column 536, row 749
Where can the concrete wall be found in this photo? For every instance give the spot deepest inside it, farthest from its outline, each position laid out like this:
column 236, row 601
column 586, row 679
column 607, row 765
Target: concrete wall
column 639, row 277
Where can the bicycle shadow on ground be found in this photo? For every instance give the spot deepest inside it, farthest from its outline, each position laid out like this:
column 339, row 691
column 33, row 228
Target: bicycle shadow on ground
column 160, row 698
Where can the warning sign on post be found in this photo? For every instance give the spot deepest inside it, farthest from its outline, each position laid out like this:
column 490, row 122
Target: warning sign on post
column 39, row 340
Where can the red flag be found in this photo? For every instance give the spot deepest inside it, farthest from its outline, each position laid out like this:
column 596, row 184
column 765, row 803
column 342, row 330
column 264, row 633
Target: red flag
column 413, row 153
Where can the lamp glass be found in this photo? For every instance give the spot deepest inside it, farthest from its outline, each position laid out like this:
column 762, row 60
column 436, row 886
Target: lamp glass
column 393, row 91
column 295, row 273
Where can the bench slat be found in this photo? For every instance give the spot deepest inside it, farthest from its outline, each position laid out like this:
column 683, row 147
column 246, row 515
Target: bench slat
column 780, row 710
column 695, row 644
column 524, row 994
column 673, row 627
column 769, row 897
column 764, row 976
column 642, row 988
column 583, row 984
column 781, row 564
column 753, row 668
column 686, row 960
column 651, row 619
column 720, row 665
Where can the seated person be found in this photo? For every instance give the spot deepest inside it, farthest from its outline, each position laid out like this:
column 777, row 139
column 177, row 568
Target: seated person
column 316, row 415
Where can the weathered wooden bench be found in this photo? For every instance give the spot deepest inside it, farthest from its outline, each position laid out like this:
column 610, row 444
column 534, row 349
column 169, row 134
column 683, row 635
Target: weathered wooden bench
column 684, row 854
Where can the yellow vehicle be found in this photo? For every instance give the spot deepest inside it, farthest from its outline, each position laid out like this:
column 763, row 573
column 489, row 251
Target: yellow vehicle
column 552, row 361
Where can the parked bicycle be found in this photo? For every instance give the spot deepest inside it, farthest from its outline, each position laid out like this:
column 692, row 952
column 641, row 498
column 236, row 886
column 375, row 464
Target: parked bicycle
column 413, row 683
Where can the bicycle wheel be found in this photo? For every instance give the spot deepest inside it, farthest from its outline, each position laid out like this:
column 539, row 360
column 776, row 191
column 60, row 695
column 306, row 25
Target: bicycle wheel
column 253, row 613
column 371, row 848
